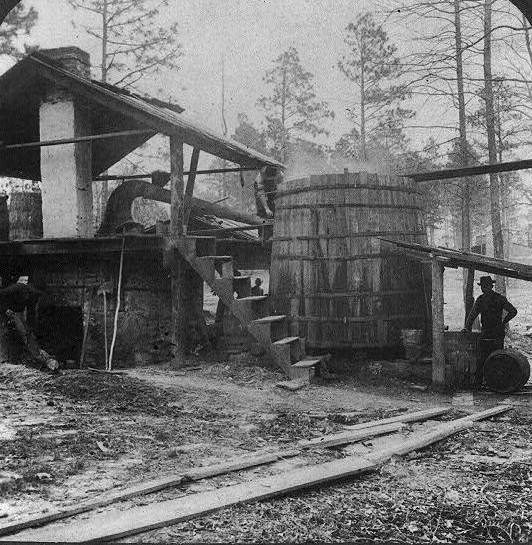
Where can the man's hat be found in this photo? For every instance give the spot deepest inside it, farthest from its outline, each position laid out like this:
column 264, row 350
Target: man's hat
column 486, row 280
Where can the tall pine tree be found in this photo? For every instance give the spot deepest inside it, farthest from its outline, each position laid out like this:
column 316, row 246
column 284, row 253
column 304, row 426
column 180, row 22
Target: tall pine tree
column 292, row 108
column 133, row 42
column 372, row 65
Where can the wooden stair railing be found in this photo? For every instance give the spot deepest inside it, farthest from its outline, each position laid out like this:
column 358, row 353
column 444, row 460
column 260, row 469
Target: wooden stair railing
column 271, row 331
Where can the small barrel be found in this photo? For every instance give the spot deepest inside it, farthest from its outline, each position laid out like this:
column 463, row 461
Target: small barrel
column 506, row 371
column 25, row 215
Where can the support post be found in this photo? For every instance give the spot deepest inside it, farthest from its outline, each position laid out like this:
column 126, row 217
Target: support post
column 438, row 348
column 177, row 269
column 469, row 299
column 189, row 191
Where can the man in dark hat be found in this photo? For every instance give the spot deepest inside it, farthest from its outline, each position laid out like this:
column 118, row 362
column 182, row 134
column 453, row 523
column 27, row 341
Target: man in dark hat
column 495, row 312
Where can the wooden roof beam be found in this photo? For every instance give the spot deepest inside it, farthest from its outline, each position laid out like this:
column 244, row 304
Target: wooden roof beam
column 449, row 174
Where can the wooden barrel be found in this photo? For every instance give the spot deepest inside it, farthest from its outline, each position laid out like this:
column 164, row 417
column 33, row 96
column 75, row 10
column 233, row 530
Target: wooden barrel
column 506, row 371
column 341, row 285
column 25, row 215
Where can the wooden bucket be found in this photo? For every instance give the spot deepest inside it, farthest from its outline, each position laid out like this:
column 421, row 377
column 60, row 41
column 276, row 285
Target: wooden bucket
column 462, row 355
column 341, row 286
column 25, row 215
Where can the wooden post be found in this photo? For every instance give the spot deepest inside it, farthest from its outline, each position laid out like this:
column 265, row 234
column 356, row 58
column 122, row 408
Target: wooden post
column 177, row 269
column 190, row 187
column 469, row 299
column 438, row 348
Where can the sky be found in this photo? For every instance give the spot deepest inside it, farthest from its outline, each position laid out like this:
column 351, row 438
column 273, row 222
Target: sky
column 249, row 35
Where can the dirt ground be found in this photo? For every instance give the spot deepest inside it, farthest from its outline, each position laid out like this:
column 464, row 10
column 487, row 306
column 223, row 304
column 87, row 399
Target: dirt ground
column 76, row 436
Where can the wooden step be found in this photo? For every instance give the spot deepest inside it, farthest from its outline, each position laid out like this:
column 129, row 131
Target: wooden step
column 307, row 363
column 251, row 308
column 287, row 340
column 254, row 299
column 271, row 319
column 220, row 258
column 269, row 329
column 295, row 346
column 304, row 369
column 198, row 246
column 224, row 265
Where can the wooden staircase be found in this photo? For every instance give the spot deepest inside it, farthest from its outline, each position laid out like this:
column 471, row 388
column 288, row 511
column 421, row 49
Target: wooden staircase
column 271, row 331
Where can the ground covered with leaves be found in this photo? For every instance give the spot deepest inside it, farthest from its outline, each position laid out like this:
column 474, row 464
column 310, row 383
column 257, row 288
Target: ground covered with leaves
column 79, row 435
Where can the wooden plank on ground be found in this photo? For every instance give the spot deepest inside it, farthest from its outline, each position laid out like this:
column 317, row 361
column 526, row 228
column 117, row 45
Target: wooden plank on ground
column 347, row 437
column 116, row 525
column 408, row 417
column 149, row 487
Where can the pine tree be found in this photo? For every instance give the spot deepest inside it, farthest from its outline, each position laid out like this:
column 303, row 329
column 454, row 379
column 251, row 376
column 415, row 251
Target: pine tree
column 292, row 107
column 133, row 43
column 372, row 65
column 18, row 23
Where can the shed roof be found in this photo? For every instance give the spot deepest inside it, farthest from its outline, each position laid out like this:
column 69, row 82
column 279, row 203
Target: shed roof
column 110, row 109
column 468, row 260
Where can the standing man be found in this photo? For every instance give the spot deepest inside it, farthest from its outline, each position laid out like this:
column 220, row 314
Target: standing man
column 490, row 305
column 266, row 184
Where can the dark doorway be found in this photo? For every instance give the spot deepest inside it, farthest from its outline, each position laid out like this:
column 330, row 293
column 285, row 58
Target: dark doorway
column 60, row 331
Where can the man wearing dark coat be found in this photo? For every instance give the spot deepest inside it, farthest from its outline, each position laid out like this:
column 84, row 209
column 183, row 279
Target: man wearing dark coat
column 495, row 312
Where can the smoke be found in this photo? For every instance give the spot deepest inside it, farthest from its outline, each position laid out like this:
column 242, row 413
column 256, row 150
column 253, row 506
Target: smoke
column 305, row 163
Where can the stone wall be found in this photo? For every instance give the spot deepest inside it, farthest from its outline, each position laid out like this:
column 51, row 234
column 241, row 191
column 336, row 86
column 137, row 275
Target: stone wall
column 144, row 322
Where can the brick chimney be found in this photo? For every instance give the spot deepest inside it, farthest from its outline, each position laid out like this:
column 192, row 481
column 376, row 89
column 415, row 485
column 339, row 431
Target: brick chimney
column 66, row 170
column 71, row 58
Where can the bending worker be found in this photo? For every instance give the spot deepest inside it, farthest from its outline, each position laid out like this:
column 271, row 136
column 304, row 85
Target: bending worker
column 490, row 305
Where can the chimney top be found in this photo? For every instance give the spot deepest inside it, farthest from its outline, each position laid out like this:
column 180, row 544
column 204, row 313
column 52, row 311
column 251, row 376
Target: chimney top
column 71, row 58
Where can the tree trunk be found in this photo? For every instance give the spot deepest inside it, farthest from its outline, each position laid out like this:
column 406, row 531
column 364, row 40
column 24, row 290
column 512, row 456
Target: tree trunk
column 283, row 118
column 495, row 197
column 363, row 147
column 178, row 266
column 464, row 159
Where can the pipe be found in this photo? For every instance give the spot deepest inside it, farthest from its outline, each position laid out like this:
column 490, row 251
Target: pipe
column 118, row 209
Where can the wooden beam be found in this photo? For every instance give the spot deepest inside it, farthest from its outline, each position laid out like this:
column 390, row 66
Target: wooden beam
column 469, row 299
column 438, row 348
column 149, row 487
column 177, row 272
column 408, row 417
column 223, row 230
column 75, row 140
column 347, row 437
column 469, row 171
column 120, row 524
column 189, row 191
column 148, row 176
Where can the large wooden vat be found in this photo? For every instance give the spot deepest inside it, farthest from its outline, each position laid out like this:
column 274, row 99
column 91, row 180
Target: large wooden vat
column 340, row 284
column 25, row 215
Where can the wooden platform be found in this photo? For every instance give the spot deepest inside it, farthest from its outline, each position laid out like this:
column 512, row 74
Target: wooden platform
column 19, row 253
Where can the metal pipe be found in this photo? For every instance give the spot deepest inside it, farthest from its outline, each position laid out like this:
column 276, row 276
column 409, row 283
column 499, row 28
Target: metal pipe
column 118, row 209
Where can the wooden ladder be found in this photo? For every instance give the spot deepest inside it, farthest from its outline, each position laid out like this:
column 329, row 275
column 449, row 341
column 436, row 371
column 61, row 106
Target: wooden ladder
column 271, row 331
